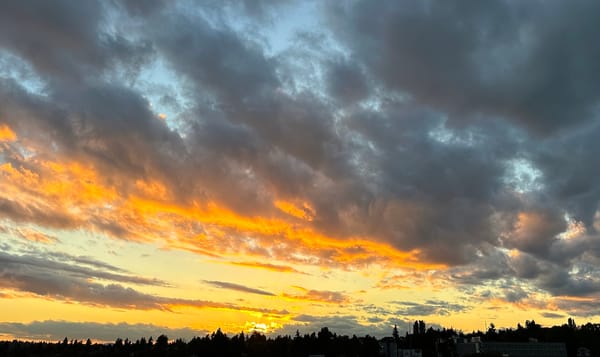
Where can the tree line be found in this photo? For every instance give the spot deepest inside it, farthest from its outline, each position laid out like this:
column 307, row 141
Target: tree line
column 216, row 344
column 431, row 341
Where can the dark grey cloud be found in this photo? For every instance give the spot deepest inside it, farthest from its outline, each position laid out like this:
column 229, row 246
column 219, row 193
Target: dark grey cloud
column 444, row 194
column 428, row 308
column 17, row 212
column 65, row 40
column 502, row 58
column 68, row 266
column 87, row 260
column 255, row 16
column 48, row 284
column 515, row 293
column 525, row 266
column 552, row 315
column 586, row 308
column 114, row 126
column 54, row 330
column 141, row 7
column 346, row 82
column 237, row 287
column 407, row 132
column 568, row 174
column 106, row 125
column 537, row 232
column 561, row 282
column 518, row 276
column 577, row 278
column 232, row 70
column 58, row 281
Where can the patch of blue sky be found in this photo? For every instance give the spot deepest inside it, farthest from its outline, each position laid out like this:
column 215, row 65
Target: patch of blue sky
column 164, row 91
column 297, row 18
column 13, row 67
column 448, row 136
column 522, row 175
column 293, row 34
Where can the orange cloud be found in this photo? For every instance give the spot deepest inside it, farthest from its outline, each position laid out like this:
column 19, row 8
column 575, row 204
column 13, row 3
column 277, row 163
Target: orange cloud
column 305, row 212
column 34, row 236
column 225, row 232
column 6, row 134
column 200, row 304
column 324, row 296
column 267, row 266
column 70, row 194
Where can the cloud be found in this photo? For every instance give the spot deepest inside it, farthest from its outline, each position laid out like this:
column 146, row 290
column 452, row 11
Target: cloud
column 33, row 265
column 89, row 261
column 346, row 82
column 485, row 64
column 464, row 148
column 553, row 315
column 237, row 287
column 576, row 306
column 6, row 134
column 255, row 152
column 268, row 266
column 64, row 282
column 34, row 235
column 325, row 296
column 52, row 330
column 428, row 308
column 534, row 232
column 142, row 8
column 91, row 48
column 517, row 275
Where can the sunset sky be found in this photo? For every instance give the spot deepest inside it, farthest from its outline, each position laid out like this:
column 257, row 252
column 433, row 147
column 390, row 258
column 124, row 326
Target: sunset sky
column 252, row 165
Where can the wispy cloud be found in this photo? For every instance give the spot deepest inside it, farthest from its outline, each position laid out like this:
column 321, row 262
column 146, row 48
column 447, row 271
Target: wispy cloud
column 268, row 266
column 553, row 315
column 68, row 283
column 34, row 235
column 428, row 308
column 41, row 265
column 323, row 296
column 237, row 287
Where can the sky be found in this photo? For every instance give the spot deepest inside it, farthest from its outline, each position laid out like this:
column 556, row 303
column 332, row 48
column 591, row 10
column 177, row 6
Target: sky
column 251, row 165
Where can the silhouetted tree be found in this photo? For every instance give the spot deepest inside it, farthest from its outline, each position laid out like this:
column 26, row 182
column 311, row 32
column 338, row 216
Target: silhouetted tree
column 162, row 342
column 257, row 345
column 492, row 328
column 118, row 343
column 395, row 335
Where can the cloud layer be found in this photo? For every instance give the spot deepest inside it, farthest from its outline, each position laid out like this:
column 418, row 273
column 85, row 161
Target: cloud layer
column 446, row 142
